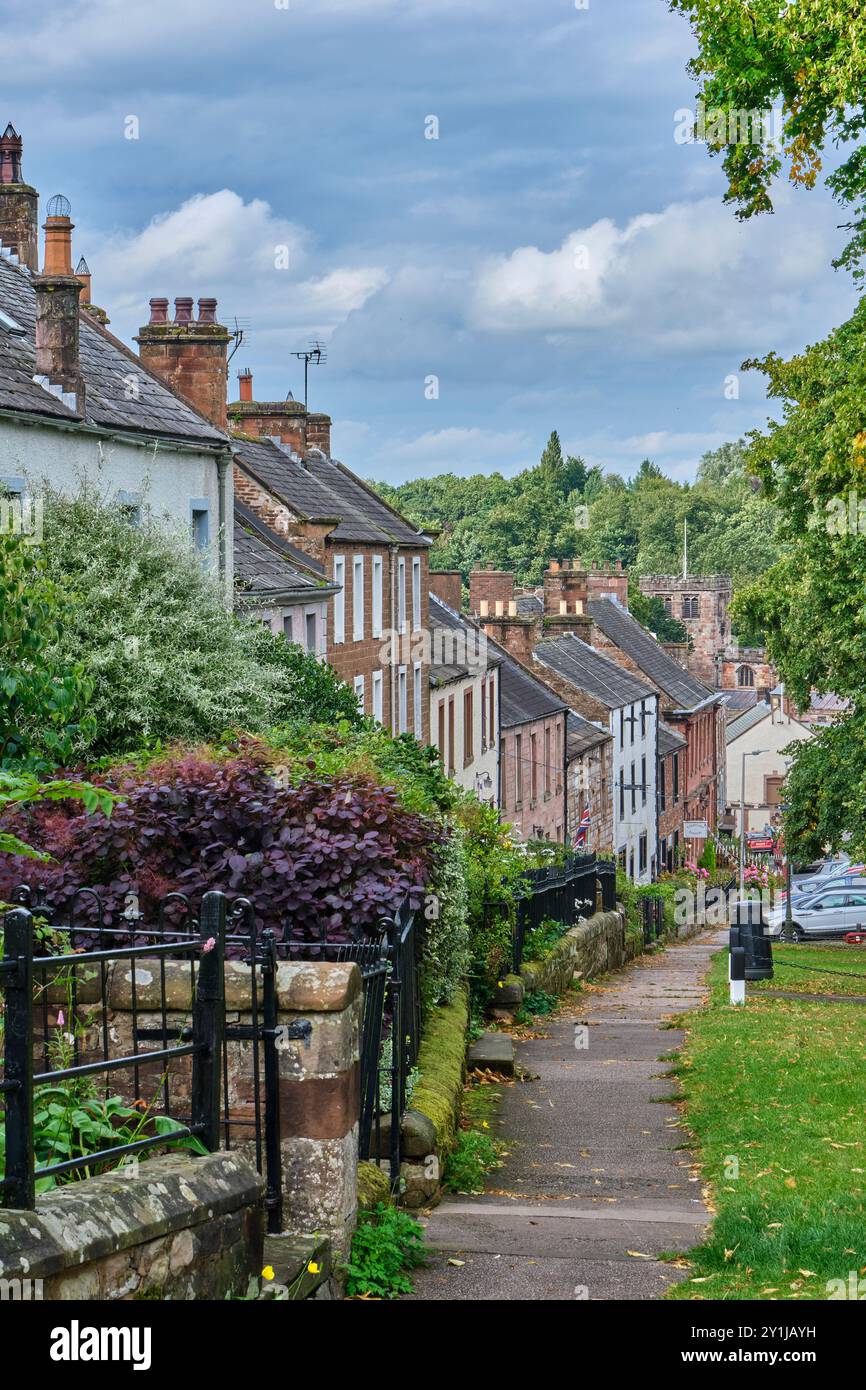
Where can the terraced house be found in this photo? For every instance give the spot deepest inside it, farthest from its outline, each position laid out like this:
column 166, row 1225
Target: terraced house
column 691, row 710
column 377, row 562
column 76, row 403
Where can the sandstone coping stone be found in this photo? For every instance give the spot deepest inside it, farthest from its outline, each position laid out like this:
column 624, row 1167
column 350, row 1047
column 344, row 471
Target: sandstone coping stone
column 302, row 986
column 82, row 1222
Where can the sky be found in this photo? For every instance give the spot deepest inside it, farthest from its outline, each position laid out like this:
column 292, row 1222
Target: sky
column 479, row 206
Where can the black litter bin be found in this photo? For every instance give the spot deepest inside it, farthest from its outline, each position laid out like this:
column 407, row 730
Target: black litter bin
column 747, row 930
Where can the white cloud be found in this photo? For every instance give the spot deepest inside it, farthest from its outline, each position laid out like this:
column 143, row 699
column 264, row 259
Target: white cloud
column 688, row 278
column 250, row 259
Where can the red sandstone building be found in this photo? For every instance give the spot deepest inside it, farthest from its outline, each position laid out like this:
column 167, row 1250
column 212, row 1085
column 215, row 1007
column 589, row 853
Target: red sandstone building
column 374, row 562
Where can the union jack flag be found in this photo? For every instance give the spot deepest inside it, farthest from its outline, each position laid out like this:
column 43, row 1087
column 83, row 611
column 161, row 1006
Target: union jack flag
column 582, row 831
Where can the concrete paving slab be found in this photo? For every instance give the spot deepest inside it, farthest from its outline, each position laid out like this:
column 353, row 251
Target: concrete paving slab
column 595, row 1183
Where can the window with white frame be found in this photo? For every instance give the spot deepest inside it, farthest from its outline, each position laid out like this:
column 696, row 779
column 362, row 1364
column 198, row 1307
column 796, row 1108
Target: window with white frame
column 359, row 692
column 378, row 703
column 358, row 598
column 340, row 599
column 418, row 708
column 401, row 595
column 402, row 701
column 377, row 596
column 416, row 593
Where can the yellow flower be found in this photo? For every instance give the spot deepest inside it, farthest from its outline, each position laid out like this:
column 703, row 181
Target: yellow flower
column 484, row 1124
column 312, row 1267
column 268, row 1272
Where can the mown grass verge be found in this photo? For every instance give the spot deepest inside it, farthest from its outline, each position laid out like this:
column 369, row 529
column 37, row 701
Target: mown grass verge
column 774, row 1097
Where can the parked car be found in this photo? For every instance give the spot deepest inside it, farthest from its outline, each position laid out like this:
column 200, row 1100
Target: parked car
column 821, row 872
column 856, row 878
column 830, row 913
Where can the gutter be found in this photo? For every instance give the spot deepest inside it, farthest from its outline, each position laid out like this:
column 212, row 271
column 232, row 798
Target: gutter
column 142, row 441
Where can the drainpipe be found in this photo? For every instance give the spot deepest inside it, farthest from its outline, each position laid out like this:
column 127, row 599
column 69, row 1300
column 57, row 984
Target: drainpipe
column 224, row 478
column 565, row 778
column 392, row 584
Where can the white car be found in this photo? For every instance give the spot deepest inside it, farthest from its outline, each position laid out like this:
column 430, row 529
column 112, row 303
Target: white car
column 826, row 869
column 830, row 913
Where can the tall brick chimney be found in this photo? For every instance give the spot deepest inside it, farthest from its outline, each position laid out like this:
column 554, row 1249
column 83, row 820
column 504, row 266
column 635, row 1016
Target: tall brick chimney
column 490, row 587
column 565, row 595
column 191, row 355
column 448, row 585
column 286, row 421
column 319, row 433
column 606, row 581
column 19, row 204
column 58, row 294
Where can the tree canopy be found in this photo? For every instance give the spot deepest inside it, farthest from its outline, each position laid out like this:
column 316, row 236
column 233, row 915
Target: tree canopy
column 809, row 61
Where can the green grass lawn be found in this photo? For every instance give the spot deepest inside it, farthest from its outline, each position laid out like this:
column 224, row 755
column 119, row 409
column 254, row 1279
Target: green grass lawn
column 776, row 1092
column 788, row 963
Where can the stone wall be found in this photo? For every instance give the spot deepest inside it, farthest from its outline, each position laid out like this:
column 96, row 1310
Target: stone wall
column 174, row 1227
column 592, row 947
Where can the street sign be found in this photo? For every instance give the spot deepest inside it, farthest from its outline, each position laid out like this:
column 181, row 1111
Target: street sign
column 696, row 830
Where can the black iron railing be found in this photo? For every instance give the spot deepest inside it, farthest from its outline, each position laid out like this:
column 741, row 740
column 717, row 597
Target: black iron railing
column 37, row 986
column 561, row 893
column 652, row 910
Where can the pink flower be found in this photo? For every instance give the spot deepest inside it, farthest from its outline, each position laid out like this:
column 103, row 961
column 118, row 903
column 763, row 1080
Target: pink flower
column 208, row 945
column 60, row 1018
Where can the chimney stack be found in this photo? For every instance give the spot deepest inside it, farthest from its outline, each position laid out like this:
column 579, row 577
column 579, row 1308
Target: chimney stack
column 82, row 272
column 565, row 594
column 490, row 586
column 190, row 355
column 448, row 585
column 285, row 421
column 58, row 295
column 19, row 204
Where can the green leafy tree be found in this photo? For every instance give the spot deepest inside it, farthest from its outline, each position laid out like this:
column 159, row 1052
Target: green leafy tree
column 43, row 697
column 165, row 658
column 809, row 59
column 810, row 602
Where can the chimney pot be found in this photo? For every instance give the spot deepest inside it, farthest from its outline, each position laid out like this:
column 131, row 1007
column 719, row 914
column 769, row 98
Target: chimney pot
column 245, row 382
column 183, row 310
column 159, row 311
column 207, row 310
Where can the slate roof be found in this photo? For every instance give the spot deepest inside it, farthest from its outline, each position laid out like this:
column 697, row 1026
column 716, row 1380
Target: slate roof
column 522, row 697
column 582, row 735
column 105, row 366
column 631, row 637
column 319, row 488
column 735, row 701
column 669, row 741
column 444, row 620
column 529, row 605
column 267, row 566
column 747, row 720
column 588, row 670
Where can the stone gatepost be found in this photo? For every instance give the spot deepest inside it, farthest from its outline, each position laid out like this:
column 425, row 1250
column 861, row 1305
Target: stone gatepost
column 318, row 1060
column 319, row 1029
